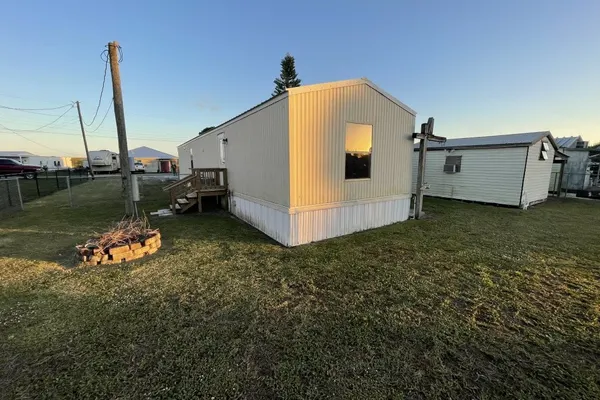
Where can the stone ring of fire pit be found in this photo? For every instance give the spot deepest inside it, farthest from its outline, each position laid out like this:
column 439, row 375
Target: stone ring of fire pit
column 116, row 255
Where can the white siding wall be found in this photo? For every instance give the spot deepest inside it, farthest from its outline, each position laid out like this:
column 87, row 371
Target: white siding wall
column 537, row 175
column 256, row 155
column 487, row 175
column 317, row 145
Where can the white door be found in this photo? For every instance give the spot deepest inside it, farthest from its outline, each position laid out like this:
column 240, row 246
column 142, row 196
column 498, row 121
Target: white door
column 221, row 144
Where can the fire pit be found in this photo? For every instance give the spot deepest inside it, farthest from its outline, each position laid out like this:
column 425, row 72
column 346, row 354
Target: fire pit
column 129, row 240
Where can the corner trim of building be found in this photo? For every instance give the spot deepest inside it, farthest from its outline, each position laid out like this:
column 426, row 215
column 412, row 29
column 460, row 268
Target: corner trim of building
column 523, row 180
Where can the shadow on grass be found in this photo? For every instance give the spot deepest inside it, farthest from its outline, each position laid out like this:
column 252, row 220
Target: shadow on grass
column 268, row 340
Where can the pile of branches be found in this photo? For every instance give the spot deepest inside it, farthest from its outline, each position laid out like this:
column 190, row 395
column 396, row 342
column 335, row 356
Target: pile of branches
column 125, row 232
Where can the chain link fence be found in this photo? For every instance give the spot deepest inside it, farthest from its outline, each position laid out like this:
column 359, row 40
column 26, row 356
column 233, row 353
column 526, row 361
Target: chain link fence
column 16, row 191
column 72, row 188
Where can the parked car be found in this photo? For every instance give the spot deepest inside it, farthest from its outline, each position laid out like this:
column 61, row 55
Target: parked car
column 13, row 167
column 139, row 168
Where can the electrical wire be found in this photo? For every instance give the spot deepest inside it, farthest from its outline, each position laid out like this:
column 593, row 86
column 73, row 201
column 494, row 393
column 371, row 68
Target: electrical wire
column 62, row 115
column 36, row 109
column 98, row 136
column 101, row 91
column 33, row 141
column 105, row 114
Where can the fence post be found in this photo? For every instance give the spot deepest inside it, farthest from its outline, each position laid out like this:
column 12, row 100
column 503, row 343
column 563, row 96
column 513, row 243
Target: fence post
column 37, row 185
column 70, row 193
column 56, row 175
column 8, row 191
column 19, row 193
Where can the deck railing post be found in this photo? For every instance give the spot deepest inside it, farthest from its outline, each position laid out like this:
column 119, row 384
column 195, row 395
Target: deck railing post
column 173, row 201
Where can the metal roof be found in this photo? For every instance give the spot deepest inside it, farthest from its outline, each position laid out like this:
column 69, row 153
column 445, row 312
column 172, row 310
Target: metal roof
column 512, row 140
column 147, row 152
column 570, row 141
column 15, row 153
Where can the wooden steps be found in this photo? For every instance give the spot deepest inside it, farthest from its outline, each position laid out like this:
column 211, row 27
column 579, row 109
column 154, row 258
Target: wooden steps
column 203, row 182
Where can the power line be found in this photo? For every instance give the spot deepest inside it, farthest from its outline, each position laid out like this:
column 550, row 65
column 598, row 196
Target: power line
column 101, row 91
column 98, row 136
column 62, row 115
column 105, row 114
column 33, row 141
column 36, row 109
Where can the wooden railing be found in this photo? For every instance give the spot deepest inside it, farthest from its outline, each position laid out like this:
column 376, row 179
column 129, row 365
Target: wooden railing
column 178, row 189
column 202, row 180
column 208, row 179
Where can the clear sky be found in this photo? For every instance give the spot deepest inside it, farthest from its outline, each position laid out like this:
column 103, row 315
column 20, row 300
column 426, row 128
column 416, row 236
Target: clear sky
column 478, row 67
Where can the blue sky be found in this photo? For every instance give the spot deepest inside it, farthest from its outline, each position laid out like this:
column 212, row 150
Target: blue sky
column 478, row 67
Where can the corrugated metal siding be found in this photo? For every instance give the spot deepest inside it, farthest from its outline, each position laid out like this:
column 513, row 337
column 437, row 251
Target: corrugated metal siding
column 205, row 152
column 317, row 145
column 537, row 176
column 487, row 175
column 256, row 154
column 311, row 226
column 274, row 223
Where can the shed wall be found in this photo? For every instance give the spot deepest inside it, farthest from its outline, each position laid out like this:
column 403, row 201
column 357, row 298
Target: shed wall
column 317, row 145
column 537, row 175
column 487, row 175
column 256, row 153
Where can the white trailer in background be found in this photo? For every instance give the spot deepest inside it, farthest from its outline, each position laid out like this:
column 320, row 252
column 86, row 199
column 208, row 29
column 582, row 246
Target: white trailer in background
column 104, row 161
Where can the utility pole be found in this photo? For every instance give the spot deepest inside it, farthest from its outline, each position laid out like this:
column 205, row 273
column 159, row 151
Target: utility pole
column 87, row 153
column 113, row 55
column 425, row 135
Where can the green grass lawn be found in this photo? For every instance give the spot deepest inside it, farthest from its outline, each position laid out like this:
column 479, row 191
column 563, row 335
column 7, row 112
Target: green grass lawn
column 474, row 302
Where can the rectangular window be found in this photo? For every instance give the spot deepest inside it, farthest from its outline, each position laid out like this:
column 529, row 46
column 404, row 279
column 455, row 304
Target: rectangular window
column 452, row 164
column 359, row 145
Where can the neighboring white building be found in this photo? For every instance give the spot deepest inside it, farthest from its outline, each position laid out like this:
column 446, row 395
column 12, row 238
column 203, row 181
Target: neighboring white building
column 511, row 170
column 153, row 160
column 314, row 162
column 49, row 162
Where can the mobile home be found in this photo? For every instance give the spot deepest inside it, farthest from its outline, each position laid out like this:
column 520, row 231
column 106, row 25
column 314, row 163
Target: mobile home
column 314, row 162
column 511, row 170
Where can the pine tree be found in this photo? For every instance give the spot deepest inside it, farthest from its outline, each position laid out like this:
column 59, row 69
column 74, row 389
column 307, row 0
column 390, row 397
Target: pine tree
column 288, row 77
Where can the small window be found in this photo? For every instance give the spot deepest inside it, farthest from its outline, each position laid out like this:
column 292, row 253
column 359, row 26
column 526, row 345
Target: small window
column 359, row 145
column 544, row 151
column 452, row 164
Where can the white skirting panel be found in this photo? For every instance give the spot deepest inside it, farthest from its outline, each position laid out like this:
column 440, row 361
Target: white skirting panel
column 293, row 227
column 313, row 225
column 274, row 222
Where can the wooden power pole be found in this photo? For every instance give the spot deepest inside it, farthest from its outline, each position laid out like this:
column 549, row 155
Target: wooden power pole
column 113, row 55
column 425, row 136
column 87, row 152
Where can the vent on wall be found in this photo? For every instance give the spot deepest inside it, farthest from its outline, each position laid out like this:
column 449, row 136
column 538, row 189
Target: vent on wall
column 544, row 151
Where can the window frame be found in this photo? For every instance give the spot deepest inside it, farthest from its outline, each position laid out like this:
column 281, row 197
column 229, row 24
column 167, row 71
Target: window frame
column 372, row 125
column 459, row 164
